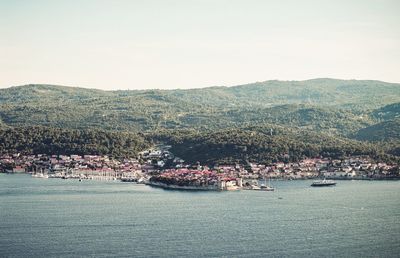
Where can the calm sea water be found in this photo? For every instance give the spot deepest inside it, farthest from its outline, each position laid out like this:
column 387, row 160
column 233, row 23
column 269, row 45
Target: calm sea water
column 68, row 218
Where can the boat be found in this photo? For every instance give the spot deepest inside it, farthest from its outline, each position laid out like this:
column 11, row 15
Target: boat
column 142, row 180
column 40, row 175
column 252, row 187
column 323, row 182
column 128, row 179
column 265, row 187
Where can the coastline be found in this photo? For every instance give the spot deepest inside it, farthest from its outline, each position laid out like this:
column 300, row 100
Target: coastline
column 185, row 187
column 364, row 178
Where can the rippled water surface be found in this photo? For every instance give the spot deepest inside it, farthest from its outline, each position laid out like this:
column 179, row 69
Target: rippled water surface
column 68, row 218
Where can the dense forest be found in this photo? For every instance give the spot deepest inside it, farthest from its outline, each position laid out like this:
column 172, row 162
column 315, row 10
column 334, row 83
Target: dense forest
column 263, row 121
column 383, row 131
column 49, row 140
column 334, row 106
column 265, row 144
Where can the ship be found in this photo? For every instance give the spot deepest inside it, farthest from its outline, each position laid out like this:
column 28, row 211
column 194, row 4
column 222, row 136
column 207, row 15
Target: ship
column 323, row 182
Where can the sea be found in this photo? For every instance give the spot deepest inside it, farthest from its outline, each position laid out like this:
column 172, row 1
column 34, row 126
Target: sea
column 67, row 218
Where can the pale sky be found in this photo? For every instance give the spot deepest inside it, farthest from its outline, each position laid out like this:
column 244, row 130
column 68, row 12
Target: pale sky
column 164, row 44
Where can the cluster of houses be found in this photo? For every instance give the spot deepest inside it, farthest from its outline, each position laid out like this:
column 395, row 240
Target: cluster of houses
column 163, row 166
column 161, row 157
column 197, row 179
column 71, row 166
column 350, row 168
column 236, row 176
column 91, row 166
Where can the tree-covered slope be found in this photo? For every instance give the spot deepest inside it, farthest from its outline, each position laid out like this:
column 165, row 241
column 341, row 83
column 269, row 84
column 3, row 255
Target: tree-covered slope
column 384, row 131
column 216, row 124
column 45, row 140
column 327, row 92
column 264, row 144
column 337, row 121
column 388, row 112
column 337, row 106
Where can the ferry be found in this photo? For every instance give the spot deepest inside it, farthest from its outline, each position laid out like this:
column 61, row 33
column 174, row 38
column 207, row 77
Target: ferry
column 323, row 182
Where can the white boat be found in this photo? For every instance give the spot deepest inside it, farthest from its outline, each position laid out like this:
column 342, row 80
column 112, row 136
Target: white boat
column 323, row 182
column 142, row 180
column 265, row 187
column 40, row 175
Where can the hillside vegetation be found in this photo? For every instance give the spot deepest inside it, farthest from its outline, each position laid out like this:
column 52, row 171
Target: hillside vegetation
column 264, row 144
column 322, row 104
column 315, row 117
column 384, row 131
column 47, row 140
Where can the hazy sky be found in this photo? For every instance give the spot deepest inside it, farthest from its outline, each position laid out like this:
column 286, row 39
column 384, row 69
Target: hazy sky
column 132, row 44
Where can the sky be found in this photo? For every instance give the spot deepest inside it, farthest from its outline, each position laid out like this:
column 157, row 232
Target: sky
column 166, row 44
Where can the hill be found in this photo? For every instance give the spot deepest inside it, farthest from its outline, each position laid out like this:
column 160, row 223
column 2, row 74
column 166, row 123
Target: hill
column 384, row 131
column 265, row 144
column 387, row 112
column 45, row 140
column 262, row 122
column 336, row 106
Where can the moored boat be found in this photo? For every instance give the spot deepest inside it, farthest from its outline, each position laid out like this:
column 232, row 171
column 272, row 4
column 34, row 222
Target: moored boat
column 267, row 187
column 128, row 179
column 323, row 182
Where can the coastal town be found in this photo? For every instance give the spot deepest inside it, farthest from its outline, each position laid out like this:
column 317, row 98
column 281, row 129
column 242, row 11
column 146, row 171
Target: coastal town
column 159, row 167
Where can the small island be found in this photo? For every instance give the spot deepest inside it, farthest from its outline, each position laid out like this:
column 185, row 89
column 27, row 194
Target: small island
column 205, row 180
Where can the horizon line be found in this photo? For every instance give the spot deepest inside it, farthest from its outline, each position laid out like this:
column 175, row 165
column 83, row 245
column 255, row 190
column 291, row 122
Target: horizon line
column 192, row 88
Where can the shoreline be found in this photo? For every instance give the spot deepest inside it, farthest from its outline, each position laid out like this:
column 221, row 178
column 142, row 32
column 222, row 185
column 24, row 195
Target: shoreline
column 209, row 187
column 178, row 187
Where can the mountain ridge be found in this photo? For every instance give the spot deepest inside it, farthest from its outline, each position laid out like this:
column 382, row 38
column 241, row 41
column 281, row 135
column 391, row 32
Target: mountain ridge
column 207, row 87
column 329, row 105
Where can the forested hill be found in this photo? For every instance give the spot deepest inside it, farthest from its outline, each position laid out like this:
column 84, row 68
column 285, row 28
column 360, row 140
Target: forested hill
column 384, row 131
column 330, row 92
column 321, row 117
column 48, row 140
column 265, row 144
column 388, row 112
column 334, row 106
